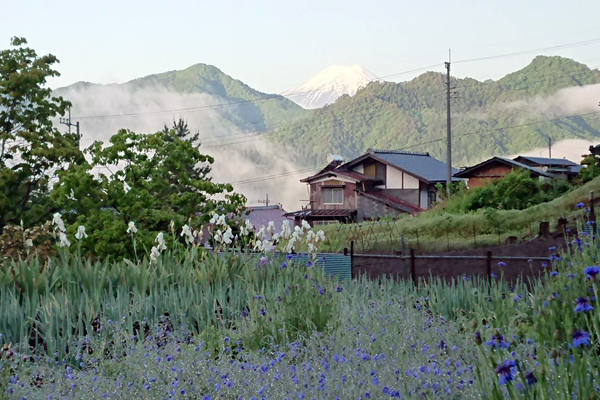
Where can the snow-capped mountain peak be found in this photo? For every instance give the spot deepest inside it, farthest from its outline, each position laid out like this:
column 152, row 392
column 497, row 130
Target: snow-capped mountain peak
column 329, row 84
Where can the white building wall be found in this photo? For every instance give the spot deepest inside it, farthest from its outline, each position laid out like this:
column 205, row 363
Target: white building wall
column 394, row 178
column 410, row 182
column 359, row 169
column 397, row 179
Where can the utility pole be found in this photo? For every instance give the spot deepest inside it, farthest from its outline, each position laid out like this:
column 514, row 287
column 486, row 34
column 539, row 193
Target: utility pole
column 266, row 202
column 67, row 122
column 448, row 129
column 549, row 147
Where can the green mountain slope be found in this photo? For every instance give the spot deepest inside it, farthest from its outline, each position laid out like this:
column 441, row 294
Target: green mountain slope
column 412, row 115
column 234, row 101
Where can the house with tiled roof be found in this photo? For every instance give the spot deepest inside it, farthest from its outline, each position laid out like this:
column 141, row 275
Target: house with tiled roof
column 377, row 184
column 556, row 167
column 497, row 168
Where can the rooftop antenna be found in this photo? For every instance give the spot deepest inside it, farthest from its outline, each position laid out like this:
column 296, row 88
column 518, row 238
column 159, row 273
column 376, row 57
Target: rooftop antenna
column 266, row 201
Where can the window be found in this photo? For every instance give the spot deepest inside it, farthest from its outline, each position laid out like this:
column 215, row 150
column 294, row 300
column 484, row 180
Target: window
column 431, row 199
column 333, row 196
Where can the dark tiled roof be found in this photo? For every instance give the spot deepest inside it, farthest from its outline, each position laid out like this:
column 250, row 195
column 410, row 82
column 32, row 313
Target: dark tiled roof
column 576, row 169
column 507, row 161
column 322, row 213
column 392, row 201
column 545, row 161
column 419, row 164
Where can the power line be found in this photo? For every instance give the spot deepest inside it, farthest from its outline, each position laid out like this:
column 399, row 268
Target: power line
column 241, row 102
column 518, row 53
column 303, row 120
column 285, row 174
column 289, row 173
column 507, row 127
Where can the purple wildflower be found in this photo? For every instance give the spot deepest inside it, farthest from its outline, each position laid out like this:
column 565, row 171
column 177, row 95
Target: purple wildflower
column 505, row 371
column 497, row 341
column 581, row 338
column 592, row 271
column 531, row 379
column 583, row 305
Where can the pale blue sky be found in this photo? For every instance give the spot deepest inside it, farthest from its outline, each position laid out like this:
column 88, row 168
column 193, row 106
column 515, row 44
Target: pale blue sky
column 276, row 45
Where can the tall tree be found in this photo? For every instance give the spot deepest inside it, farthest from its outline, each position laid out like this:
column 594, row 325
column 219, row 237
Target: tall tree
column 180, row 130
column 147, row 182
column 31, row 148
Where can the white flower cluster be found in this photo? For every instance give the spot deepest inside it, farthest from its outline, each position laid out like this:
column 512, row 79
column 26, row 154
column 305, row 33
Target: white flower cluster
column 131, row 228
column 160, row 246
column 187, row 232
column 63, row 241
column 80, row 232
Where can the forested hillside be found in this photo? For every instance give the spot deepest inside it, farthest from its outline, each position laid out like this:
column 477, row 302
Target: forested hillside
column 412, row 115
column 236, row 104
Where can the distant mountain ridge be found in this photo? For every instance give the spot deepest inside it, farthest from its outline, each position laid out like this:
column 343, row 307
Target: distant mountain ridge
column 329, row 85
column 409, row 115
column 412, row 115
column 247, row 107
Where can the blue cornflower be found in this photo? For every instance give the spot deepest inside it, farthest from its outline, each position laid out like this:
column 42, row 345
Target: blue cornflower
column 339, row 289
column 553, row 248
column 263, row 312
column 517, row 298
column 583, row 305
column 592, row 271
column 554, row 273
column 502, row 264
column 505, row 371
column 581, row 338
column 284, row 265
column 580, row 205
column 545, row 265
column 494, row 275
column 309, row 264
column 497, row 341
column 531, row 379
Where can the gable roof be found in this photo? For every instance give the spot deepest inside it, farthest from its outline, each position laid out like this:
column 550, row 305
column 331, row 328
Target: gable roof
column 357, row 176
column 392, row 201
column 420, row 165
column 465, row 173
column 545, row 161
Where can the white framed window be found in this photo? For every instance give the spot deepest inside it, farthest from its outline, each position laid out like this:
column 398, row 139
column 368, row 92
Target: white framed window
column 333, row 195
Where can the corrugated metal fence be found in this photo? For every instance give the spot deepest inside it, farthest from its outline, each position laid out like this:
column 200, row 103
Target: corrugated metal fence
column 334, row 264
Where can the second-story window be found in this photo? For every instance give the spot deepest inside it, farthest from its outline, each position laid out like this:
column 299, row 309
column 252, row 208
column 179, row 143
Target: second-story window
column 333, row 196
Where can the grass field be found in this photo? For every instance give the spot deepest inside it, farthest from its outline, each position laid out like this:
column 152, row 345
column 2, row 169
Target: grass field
column 195, row 326
column 438, row 231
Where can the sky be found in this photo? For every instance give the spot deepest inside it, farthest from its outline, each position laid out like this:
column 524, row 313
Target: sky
column 276, row 45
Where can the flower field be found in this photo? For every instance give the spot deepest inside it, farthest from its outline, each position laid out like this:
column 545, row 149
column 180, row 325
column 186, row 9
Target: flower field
column 184, row 323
